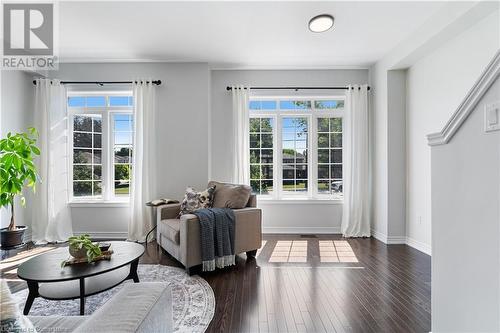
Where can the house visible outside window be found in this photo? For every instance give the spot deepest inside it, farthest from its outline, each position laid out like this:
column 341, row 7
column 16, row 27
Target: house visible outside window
column 296, row 147
column 102, row 145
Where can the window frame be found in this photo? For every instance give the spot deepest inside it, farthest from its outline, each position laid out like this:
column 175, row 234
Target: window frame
column 311, row 114
column 107, row 113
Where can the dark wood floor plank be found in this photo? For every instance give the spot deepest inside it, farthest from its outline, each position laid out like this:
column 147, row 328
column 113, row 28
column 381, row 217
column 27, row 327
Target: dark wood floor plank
column 387, row 290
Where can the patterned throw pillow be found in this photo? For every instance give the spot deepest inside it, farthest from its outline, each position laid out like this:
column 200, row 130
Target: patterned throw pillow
column 197, row 200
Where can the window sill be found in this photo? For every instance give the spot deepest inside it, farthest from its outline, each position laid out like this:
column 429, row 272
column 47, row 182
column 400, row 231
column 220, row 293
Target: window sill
column 300, row 200
column 98, row 204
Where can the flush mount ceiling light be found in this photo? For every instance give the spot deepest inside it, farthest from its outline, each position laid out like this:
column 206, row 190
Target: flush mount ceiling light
column 321, row 23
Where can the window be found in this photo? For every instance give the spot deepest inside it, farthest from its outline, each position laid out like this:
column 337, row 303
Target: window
column 122, row 150
column 261, row 155
column 87, row 155
column 330, row 155
column 296, row 147
column 102, row 147
column 294, row 154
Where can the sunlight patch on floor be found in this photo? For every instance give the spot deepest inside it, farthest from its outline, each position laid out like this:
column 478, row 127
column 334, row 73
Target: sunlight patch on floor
column 23, row 256
column 336, row 251
column 11, row 275
column 289, row 251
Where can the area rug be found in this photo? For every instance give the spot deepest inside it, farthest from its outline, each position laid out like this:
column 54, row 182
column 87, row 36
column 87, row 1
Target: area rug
column 192, row 298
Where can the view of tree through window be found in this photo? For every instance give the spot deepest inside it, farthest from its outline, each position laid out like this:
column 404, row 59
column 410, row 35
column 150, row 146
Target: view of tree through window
column 330, row 156
column 261, row 155
column 87, row 155
column 302, row 128
column 294, row 154
column 102, row 128
column 123, row 153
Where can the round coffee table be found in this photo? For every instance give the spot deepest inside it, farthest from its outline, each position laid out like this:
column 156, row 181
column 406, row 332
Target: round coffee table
column 47, row 279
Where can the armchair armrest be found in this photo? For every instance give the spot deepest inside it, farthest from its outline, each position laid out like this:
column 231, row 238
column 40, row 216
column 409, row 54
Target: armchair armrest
column 168, row 211
column 189, row 233
column 248, row 234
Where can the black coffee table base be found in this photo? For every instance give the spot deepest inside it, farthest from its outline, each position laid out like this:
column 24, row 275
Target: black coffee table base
column 85, row 287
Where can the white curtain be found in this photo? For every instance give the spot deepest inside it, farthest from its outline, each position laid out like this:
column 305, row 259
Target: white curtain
column 241, row 140
column 51, row 220
column 143, row 168
column 355, row 213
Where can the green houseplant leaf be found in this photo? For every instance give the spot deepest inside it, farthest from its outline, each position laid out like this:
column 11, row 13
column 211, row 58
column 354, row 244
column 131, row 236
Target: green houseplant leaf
column 17, row 168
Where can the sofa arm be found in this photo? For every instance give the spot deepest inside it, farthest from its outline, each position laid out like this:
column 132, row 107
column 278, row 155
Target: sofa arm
column 168, row 211
column 138, row 307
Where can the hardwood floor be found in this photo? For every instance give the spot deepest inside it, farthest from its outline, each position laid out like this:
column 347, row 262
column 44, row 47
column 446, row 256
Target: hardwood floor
column 322, row 284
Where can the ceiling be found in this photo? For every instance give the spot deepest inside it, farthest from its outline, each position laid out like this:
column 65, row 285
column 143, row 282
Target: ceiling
column 237, row 34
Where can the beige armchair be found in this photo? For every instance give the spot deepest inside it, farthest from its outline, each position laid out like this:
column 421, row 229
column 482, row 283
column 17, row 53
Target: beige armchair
column 180, row 237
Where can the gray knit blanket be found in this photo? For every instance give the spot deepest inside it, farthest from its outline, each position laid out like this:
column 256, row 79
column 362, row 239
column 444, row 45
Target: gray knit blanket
column 217, row 237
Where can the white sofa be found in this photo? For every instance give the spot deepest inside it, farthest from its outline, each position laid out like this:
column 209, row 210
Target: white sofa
column 138, row 307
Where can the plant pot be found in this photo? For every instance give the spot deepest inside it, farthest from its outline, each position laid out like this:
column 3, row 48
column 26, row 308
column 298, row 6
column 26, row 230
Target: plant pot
column 77, row 253
column 12, row 238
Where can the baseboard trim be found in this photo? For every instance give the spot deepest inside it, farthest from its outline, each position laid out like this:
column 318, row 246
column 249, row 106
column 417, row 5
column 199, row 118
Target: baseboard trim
column 301, row 230
column 380, row 236
column 389, row 240
column 103, row 234
column 417, row 245
column 396, row 239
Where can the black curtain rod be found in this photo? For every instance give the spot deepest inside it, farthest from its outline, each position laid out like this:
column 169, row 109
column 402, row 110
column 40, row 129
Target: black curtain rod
column 295, row 88
column 101, row 83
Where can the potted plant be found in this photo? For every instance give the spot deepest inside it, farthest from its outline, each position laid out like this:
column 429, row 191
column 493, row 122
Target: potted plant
column 81, row 247
column 17, row 171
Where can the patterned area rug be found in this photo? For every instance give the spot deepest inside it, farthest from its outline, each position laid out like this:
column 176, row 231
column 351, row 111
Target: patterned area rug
column 192, row 298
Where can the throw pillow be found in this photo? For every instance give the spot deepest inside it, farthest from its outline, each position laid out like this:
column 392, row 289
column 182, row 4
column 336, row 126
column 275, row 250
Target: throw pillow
column 231, row 195
column 11, row 318
column 197, row 200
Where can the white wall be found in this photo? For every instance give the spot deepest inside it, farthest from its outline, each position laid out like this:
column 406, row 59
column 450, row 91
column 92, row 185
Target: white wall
column 16, row 116
column 436, row 85
column 183, row 109
column 396, row 159
column 184, row 101
column 281, row 217
column 465, row 227
column 447, row 55
column 378, row 84
column 389, row 162
column 298, row 217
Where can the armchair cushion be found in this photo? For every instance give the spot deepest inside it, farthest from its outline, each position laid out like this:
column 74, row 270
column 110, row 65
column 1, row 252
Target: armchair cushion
column 230, row 195
column 170, row 228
